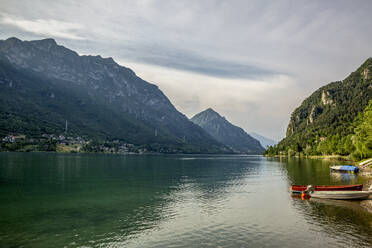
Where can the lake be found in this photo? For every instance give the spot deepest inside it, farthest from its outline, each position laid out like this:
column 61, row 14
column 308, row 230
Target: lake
column 93, row 200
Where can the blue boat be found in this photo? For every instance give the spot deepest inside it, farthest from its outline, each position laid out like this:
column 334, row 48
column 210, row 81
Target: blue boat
column 345, row 168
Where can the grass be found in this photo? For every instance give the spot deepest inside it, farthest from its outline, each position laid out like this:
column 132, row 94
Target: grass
column 67, row 149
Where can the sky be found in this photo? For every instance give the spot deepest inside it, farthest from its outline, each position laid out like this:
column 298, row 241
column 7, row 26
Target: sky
column 253, row 61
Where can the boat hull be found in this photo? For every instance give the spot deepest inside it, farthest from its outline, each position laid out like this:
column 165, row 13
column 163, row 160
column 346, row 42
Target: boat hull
column 298, row 189
column 341, row 195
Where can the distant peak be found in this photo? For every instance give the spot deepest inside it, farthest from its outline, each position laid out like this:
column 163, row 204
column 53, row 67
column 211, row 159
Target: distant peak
column 209, row 114
column 44, row 42
column 13, row 39
column 48, row 41
column 209, row 110
column 109, row 60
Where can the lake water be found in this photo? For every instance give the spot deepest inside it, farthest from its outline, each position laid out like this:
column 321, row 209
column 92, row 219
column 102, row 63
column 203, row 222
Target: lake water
column 56, row 200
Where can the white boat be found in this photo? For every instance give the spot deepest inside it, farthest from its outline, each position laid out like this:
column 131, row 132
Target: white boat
column 341, row 195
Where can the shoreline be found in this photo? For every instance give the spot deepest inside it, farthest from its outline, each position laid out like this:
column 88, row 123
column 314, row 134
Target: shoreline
column 324, row 157
column 134, row 153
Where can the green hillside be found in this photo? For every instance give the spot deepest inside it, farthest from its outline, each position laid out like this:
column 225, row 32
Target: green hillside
column 327, row 122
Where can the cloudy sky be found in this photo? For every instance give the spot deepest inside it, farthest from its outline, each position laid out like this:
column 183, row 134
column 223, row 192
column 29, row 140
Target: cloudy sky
column 251, row 61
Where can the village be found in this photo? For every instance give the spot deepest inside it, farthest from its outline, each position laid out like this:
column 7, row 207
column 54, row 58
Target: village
column 66, row 144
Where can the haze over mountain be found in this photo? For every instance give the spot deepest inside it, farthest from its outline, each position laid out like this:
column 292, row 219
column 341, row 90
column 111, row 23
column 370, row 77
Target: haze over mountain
column 226, row 133
column 264, row 141
column 44, row 84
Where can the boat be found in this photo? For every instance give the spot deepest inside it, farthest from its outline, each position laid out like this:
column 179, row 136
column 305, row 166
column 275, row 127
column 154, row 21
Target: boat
column 298, row 189
column 340, row 195
column 345, row 168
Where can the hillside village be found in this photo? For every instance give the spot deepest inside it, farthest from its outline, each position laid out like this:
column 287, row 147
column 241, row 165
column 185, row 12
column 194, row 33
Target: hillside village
column 65, row 143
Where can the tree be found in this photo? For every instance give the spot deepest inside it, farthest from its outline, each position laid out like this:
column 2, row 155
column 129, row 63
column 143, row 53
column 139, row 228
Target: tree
column 308, row 150
column 291, row 152
column 363, row 134
column 333, row 143
column 323, row 147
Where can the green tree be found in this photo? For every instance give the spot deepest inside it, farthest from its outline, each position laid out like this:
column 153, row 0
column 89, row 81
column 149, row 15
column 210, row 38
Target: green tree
column 308, row 150
column 323, row 147
column 363, row 134
column 291, row 152
column 333, row 143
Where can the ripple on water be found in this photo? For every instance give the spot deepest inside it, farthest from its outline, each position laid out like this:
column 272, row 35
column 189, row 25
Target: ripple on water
column 170, row 201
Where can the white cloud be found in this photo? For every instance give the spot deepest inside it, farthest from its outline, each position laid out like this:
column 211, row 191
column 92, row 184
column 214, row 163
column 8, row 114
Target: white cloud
column 244, row 102
column 204, row 53
column 47, row 27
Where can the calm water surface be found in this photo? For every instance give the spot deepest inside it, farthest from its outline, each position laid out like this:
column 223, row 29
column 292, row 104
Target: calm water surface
column 53, row 200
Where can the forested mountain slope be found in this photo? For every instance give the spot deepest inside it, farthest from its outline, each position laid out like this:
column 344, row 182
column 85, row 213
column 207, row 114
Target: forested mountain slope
column 325, row 122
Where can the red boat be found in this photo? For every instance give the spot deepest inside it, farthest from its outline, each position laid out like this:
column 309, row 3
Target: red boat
column 297, row 189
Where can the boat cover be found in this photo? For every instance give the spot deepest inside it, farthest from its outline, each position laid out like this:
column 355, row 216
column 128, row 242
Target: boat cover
column 345, row 167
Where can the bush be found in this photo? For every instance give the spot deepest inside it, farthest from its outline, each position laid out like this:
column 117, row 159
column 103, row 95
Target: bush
column 291, row 152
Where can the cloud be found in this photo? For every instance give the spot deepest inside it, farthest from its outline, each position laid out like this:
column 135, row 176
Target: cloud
column 248, row 103
column 254, row 61
column 189, row 61
column 47, row 27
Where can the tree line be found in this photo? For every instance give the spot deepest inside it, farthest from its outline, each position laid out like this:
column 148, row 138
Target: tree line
column 357, row 144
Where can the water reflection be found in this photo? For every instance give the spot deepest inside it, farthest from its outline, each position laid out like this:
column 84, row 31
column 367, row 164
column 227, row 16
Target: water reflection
column 341, row 220
column 315, row 172
column 83, row 192
column 344, row 178
column 331, row 217
column 162, row 201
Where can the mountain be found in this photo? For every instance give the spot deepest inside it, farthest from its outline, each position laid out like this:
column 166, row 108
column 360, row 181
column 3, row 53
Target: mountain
column 43, row 84
column 325, row 122
column 226, row 133
column 264, row 141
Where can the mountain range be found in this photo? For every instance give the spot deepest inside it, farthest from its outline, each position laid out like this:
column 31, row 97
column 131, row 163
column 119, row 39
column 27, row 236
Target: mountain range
column 43, row 85
column 226, row 133
column 265, row 142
